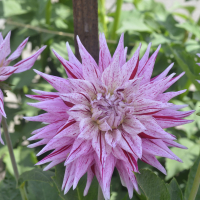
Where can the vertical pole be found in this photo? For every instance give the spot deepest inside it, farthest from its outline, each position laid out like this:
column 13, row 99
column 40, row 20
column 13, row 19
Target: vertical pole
column 86, row 26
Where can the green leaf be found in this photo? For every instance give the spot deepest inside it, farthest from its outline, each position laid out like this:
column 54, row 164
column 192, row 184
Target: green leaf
column 190, row 27
column 185, row 60
column 36, row 175
column 153, row 187
column 170, row 24
column 192, row 46
column 187, row 155
column 157, row 39
column 174, row 190
column 8, row 190
column 128, row 25
column 190, row 181
column 60, row 24
column 42, row 191
column 12, row 7
column 40, row 185
column 190, row 9
column 76, row 194
column 25, row 159
column 196, row 95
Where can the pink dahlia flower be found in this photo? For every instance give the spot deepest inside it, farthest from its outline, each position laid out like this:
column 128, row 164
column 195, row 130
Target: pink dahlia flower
column 6, row 70
column 106, row 116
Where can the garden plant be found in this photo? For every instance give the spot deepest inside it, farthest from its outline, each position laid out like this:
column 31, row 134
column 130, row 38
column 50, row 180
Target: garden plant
column 105, row 105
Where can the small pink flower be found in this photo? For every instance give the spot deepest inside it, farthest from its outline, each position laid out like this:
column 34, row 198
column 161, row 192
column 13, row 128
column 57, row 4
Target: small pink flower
column 106, row 116
column 6, row 70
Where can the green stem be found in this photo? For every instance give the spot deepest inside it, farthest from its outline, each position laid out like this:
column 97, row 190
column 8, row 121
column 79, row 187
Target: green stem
column 100, row 194
column 79, row 196
column 12, row 157
column 48, row 12
column 103, row 16
column 23, row 192
column 116, row 19
column 195, row 185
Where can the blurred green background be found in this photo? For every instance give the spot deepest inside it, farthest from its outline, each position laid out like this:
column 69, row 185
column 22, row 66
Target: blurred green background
column 51, row 23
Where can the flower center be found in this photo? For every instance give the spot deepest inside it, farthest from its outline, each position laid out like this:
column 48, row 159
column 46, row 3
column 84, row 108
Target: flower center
column 108, row 111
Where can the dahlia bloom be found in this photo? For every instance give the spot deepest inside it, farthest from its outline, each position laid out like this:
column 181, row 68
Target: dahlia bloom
column 6, row 70
column 106, row 116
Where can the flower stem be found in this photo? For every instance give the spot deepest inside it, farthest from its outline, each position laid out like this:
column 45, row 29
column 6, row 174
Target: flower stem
column 12, row 157
column 116, row 19
column 48, row 12
column 102, row 16
column 100, row 194
column 195, row 185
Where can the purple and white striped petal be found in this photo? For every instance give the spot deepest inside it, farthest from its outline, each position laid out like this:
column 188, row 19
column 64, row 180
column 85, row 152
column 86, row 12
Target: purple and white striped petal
column 16, row 53
column 107, row 116
column 104, row 53
column 27, row 63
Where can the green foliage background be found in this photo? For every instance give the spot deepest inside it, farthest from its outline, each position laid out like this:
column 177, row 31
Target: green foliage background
column 51, row 24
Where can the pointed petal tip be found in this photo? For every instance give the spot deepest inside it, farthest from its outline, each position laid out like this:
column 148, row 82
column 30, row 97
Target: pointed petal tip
column 30, row 146
column 171, row 65
column 42, row 48
column 46, row 168
column 37, row 164
column 158, row 49
column 9, row 34
column 78, row 39
column 35, row 70
column 179, row 160
column 2, row 142
column 30, row 104
column 68, row 46
column 28, row 95
column 164, row 172
column 182, row 73
column 40, row 153
column 26, row 118
column 35, row 91
column 190, row 121
column 38, row 72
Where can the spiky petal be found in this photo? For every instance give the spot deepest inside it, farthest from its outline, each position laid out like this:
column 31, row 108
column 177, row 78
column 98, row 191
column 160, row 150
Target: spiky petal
column 6, row 71
column 107, row 116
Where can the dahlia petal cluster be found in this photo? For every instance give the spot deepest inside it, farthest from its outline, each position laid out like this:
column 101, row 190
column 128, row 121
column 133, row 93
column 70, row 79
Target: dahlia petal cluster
column 6, row 70
column 107, row 115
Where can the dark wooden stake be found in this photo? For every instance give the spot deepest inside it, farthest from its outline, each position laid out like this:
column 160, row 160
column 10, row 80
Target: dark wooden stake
column 86, row 26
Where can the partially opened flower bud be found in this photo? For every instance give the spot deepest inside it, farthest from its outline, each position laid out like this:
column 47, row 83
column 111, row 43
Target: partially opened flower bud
column 6, row 70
